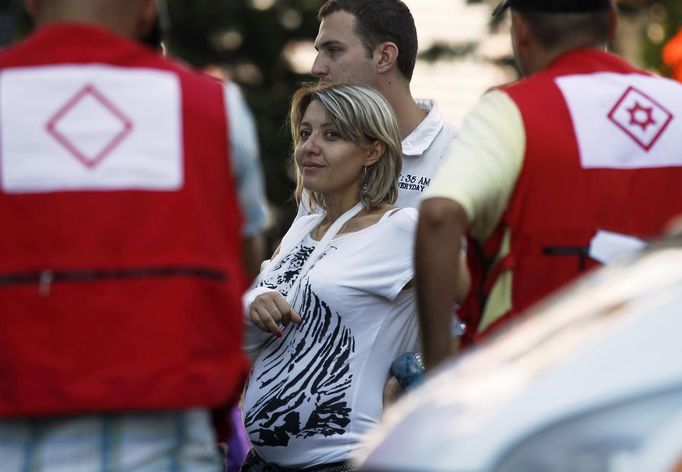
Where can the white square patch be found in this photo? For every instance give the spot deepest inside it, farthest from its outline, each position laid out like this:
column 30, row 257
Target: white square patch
column 90, row 127
column 640, row 117
column 625, row 121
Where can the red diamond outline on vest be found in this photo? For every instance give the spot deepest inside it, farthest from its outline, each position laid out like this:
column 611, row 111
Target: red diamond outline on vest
column 117, row 138
column 641, row 112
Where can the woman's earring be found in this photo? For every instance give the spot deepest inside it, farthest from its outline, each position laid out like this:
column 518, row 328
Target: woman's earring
column 364, row 183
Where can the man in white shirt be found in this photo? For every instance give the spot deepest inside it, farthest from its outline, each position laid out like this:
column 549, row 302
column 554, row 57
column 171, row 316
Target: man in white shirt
column 375, row 44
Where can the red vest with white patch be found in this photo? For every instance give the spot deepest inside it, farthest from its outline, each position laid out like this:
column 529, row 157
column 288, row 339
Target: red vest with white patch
column 603, row 152
column 120, row 275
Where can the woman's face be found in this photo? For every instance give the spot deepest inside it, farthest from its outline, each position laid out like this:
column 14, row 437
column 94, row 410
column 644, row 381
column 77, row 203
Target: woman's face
column 328, row 163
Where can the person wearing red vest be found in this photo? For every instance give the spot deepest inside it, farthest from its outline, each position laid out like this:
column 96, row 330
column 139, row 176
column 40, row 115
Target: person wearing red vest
column 550, row 174
column 120, row 275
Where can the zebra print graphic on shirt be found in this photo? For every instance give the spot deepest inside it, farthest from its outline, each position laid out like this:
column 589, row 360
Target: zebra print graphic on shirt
column 283, row 280
column 304, row 379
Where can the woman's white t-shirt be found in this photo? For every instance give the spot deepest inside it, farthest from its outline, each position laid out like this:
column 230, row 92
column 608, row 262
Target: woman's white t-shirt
column 314, row 392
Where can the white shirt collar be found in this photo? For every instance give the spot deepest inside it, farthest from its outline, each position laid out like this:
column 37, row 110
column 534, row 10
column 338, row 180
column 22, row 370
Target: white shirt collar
column 423, row 135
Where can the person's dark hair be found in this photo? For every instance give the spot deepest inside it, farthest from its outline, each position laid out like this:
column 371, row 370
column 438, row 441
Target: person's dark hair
column 569, row 30
column 378, row 21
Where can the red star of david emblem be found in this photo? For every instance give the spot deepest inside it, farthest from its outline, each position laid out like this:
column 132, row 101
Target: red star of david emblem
column 641, row 116
column 117, row 126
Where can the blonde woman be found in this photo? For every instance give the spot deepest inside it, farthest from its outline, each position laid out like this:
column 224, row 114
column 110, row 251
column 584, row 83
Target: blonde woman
column 333, row 308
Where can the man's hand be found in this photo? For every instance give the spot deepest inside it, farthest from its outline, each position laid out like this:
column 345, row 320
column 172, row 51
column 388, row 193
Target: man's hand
column 440, row 269
column 270, row 310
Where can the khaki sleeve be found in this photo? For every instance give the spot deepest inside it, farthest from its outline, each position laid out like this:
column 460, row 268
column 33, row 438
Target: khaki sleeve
column 484, row 162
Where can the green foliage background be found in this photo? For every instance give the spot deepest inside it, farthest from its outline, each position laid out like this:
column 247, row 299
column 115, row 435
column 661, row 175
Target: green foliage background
column 667, row 14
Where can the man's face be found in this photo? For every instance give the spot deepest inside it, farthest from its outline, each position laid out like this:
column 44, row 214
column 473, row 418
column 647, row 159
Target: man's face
column 341, row 56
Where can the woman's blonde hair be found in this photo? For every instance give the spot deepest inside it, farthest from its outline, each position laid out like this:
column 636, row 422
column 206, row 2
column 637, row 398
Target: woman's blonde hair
column 360, row 115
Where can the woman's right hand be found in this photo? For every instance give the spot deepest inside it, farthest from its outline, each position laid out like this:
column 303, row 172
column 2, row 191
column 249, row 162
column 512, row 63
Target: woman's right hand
column 270, row 310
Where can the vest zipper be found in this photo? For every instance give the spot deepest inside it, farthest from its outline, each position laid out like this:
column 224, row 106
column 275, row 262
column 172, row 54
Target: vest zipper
column 44, row 283
column 46, row 278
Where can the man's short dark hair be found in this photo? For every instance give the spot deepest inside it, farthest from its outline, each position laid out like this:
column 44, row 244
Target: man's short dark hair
column 378, row 21
column 569, row 30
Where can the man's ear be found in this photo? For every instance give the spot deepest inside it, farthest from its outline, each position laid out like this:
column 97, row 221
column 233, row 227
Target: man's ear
column 614, row 21
column 32, row 7
column 375, row 152
column 520, row 31
column 523, row 45
column 148, row 15
column 387, row 56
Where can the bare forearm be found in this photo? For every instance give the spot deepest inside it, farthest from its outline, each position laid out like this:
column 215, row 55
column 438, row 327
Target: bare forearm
column 438, row 273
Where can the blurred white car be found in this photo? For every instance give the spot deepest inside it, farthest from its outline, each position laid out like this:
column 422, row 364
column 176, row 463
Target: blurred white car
column 589, row 381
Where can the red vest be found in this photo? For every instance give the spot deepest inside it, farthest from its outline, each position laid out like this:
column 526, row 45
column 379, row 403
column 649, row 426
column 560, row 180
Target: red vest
column 125, row 299
column 558, row 203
